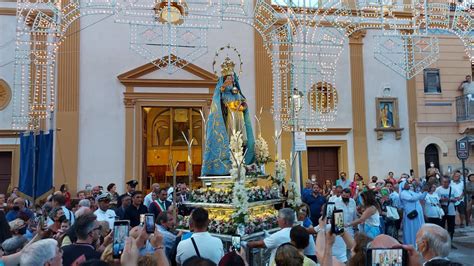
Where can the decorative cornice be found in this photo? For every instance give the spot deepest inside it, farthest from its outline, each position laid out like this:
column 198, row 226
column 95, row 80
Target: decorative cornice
column 437, row 124
column 140, row 71
column 9, row 133
column 331, row 131
column 11, row 11
column 131, row 97
column 132, row 78
column 129, row 102
column 7, row 11
column 357, row 37
column 173, row 83
column 397, row 130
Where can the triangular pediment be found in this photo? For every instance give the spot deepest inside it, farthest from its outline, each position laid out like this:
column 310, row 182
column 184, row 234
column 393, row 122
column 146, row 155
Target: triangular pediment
column 151, row 74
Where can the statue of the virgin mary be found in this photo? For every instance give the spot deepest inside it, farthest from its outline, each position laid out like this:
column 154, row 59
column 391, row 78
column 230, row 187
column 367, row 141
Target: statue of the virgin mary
column 228, row 111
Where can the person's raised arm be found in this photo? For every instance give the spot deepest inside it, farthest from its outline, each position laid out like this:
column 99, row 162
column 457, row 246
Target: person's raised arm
column 365, row 215
column 156, row 241
column 327, row 258
column 412, row 197
column 321, row 239
column 461, row 85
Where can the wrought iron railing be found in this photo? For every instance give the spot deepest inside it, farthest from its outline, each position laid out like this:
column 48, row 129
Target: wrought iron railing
column 465, row 107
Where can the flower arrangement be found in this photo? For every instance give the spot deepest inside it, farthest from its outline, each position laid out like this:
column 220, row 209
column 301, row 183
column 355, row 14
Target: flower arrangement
column 239, row 193
column 212, row 195
column 221, row 225
column 241, row 202
column 280, row 172
column 262, row 155
column 294, row 197
column 225, row 195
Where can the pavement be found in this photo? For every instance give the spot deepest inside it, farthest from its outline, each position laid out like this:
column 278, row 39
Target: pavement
column 464, row 242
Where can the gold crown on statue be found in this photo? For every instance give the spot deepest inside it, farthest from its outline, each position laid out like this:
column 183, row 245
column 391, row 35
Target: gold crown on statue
column 227, row 67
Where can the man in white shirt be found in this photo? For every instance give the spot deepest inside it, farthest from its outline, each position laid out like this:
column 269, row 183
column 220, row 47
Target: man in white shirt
column 155, row 187
column 201, row 244
column 467, row 87
column 337, row 195
column 447, row 197
column 458, row 184
column 349, row 208
column 286, row 219
column 103, row 213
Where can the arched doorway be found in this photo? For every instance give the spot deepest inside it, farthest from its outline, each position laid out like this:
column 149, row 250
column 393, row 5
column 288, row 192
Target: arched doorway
column 431, row 155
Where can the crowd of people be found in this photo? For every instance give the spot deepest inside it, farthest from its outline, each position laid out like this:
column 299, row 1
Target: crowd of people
column 67, row 230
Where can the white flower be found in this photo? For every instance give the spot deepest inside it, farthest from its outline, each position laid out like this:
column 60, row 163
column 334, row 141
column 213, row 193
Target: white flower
column 261, row 151
column 239, row 193
column 294, row 197
column 280, row 172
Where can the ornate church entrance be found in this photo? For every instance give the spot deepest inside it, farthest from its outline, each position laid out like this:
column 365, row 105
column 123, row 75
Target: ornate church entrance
column 167, row 133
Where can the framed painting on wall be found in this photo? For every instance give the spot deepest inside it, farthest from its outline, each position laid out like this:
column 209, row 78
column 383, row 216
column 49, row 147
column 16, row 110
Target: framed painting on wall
column 386, row 109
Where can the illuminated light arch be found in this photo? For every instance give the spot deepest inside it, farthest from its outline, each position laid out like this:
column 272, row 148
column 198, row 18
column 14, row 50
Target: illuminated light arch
column 42, row 25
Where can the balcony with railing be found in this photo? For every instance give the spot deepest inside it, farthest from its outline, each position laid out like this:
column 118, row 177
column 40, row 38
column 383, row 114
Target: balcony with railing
column 465, row 108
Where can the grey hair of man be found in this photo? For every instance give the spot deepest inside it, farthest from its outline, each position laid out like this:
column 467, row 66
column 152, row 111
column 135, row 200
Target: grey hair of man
column 85, row 203
column 438, row 239
column 13, row 244
column 39, row 252
column 287, row 215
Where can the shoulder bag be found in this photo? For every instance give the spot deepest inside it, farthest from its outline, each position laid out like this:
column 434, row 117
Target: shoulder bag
column 445, row 207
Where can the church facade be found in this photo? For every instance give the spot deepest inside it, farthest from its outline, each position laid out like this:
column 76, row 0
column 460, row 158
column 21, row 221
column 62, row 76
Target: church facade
column 120, row 117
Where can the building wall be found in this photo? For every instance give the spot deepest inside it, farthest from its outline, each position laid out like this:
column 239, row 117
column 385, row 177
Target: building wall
column 387, row 154
column 102, row 113
column 437, row 124
column 7, row 55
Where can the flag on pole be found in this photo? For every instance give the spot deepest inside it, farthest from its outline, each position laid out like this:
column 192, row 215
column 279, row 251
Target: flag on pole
column 36, row 164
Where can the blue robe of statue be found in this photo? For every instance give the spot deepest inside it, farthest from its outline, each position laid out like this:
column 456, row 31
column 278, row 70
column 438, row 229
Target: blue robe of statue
column 410, row 201
column 216, row 158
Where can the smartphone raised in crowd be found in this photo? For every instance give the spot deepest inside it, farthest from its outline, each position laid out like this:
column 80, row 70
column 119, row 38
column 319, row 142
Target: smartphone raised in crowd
column 327, row 211
column 236, row 243
column 150, row 223
column 121, row 229
column 386, row 256
column 337, row 222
